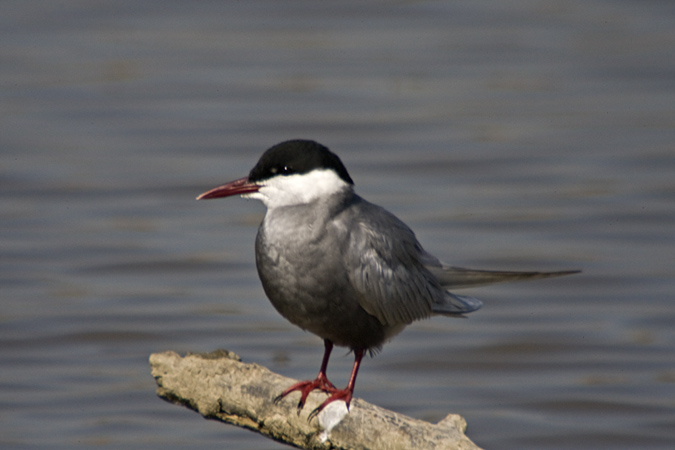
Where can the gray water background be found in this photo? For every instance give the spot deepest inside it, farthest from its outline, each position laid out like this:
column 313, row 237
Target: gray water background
column 508, row 135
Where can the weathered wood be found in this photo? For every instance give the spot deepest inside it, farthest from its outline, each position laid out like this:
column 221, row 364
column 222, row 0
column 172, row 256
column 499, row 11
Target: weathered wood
column 219, row 386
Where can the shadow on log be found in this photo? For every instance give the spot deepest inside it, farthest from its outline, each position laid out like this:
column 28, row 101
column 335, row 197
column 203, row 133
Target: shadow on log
column 219, row 386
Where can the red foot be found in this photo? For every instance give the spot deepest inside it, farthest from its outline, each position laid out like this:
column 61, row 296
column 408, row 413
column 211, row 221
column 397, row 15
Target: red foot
column 321, row 383
column 305, row 387
column 336, row 395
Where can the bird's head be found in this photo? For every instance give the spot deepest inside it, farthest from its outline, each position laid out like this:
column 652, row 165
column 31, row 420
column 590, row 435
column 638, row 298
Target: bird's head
column 290, row 173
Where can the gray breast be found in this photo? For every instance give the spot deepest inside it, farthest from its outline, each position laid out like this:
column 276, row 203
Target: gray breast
column 300, row 261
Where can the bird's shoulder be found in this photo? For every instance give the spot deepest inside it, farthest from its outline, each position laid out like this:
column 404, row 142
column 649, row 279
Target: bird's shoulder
column 368, row 224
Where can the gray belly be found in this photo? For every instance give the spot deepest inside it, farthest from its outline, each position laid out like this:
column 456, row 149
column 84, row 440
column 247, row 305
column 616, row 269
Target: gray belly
column 307, row 284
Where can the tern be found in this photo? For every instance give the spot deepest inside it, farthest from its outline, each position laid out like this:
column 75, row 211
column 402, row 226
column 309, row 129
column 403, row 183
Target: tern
column 340, row 267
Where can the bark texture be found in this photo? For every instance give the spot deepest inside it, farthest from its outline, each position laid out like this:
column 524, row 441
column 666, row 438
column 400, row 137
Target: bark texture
column 219, row 386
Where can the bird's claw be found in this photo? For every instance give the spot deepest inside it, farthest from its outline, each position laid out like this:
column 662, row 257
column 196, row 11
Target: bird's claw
column 280, row 397
column 344, row 395
column 315, row 412
column 306, row 387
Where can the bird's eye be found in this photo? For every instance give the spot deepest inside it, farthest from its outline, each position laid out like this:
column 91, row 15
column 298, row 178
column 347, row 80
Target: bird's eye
column 281, row 170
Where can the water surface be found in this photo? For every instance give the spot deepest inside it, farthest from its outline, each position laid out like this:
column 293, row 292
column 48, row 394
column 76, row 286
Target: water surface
column 519, row 135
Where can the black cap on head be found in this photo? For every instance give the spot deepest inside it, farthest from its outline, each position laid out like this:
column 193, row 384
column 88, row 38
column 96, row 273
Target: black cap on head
column 297, row 157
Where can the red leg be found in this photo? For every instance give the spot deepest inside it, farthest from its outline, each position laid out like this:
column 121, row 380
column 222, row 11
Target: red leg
column 346, row 393
column 321, row 382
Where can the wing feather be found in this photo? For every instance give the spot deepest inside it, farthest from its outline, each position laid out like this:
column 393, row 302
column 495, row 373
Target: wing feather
column 388, row 275
column 458, row 277
column 397, row 281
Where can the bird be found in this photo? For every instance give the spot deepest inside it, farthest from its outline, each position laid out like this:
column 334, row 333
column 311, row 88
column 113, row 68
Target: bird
column 340, row 267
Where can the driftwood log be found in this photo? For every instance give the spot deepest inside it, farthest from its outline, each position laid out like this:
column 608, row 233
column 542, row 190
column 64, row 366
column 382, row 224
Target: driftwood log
column 219, row 386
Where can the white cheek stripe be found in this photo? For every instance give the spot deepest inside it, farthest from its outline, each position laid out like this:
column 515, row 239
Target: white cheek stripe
column 299, row 189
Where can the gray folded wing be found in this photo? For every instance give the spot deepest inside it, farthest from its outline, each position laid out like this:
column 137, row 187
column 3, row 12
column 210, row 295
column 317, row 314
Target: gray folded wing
column 398, row 282
column 457, row 305
column 385, row 269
